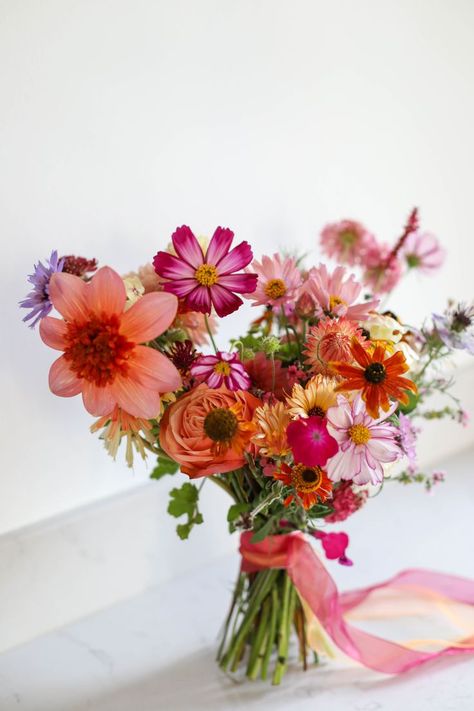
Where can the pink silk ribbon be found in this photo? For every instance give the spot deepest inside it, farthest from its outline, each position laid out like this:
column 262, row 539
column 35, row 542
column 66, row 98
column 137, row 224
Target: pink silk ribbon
column 293, row 553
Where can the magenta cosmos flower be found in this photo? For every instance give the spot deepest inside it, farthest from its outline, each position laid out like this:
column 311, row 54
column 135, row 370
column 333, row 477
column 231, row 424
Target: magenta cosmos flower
column 102, row 357
column 221, row 369
column 310, row 441
column 336, row 293
column 364, row 443
column 423, row 251
column 206, row 280
column 278, row 281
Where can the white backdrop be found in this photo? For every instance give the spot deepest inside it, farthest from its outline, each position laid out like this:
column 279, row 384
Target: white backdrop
column 121, row 120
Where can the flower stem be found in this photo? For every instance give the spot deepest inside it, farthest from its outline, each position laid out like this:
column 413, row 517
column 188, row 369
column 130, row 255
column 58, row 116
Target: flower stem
column 284, row 630
column 208, row 328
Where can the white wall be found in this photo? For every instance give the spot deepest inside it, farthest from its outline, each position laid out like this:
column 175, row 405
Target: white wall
column 121, row 120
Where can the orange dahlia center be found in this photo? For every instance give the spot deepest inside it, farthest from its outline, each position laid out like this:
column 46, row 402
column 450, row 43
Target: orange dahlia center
column 375, row 373
column 359, row 434
column 275, row 288
column 306, row 479
column 96, row 351
column 206, row 274
column 222, row 368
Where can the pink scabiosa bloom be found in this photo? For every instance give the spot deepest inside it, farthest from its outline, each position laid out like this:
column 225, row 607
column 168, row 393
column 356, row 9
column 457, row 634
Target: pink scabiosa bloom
column 221, row 369
column 102, row 356
column 346, row 241
column 336, row 293
column 310, row 441
column 364, row 443
column 423, row 251
column 383, row 269
column 330, row 341
column 206, row 280
column 345, row 501
column 278, row 281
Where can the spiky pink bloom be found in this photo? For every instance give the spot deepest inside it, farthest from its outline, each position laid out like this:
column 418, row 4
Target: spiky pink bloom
column 310, row 441
column 221, row 369
column 330, row 341
column 345, row 501
column 336, row 293
column 206, row 280
column 364, row 443
column 383, row 270
column 346, row 241
column 423, row 251
column 102, row 356
column 278, row 281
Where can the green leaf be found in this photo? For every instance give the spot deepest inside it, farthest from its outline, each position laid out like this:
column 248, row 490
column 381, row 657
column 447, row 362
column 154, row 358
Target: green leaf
column 263, row 531
column 236, row 509
column 164, row 466
column 183, row 530
column 412, row 403
column 184, row 502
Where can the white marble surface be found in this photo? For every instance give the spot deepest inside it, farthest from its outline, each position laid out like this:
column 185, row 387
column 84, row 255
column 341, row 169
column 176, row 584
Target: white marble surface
column 155, row 651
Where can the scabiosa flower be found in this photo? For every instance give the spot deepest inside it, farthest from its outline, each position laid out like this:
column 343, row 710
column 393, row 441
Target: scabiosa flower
column 78, row 266
column 310, row 441
column 38, row 299
column 377, row 376
column 383, row 269
column 336, row 293
column 314, row 399
column 271, row 421
column 221, row 369
column 278, row 280
column 407, row 437
column 364, row 443
column 102, row 356
column 183, row 354
column 346, row 241
column 345, row 501
column 331, row 340
column 310, row 483
column 456, row 327
column 203, row 281
column 422, row 251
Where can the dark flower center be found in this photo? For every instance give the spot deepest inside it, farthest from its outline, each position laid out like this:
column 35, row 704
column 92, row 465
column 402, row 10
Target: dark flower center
column 220, row 425
column 309, row 476
column 461, row 321
column 316, row 412
column 375, row 373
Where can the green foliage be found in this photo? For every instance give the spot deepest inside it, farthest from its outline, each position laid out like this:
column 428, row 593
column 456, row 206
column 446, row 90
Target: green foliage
column 412, row 403
column 235, row 514
column 184, row 502
column 164, row 466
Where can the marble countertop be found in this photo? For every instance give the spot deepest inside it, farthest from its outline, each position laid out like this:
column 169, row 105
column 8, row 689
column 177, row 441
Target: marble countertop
column 155, row 651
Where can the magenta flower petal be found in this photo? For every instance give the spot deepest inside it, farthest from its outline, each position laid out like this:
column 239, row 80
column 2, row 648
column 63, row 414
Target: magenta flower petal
column 310, row 441
column 225, row 302
column 187, row 247
column 219, row 245
column 170, row 267
column 236, row 259
column 180, row 287
column 241, row 283
column 200, row 300
column 221, row 368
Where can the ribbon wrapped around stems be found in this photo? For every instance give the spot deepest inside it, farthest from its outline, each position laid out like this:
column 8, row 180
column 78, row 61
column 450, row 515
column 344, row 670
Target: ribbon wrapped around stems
column 293, row 553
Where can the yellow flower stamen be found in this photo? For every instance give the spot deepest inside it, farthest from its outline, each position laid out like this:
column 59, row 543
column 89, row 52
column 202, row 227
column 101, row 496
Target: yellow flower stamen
column 359, row 434
column 275, row 288
column 222, row 368
column 335, row 301
column 206, row 274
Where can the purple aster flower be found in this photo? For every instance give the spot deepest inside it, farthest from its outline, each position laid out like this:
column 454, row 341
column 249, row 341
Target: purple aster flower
column 38, row 299
column 456, row 327
column 407, row 439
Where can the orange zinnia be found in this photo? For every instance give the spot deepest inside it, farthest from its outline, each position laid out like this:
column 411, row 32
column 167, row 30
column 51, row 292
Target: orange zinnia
column 378, row 377
column 311, row 484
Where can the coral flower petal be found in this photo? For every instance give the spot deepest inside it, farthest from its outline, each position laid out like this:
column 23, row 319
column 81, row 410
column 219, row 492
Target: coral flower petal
column 135, row 398
column 187, row 247
column 219, row 245
column 68, row 294
column 98, row 401
column 106, row 293
column 225, row 302
column 154, row 370
column 236, row 259
column 53, row 332
column 62, row 381
column 149, row 316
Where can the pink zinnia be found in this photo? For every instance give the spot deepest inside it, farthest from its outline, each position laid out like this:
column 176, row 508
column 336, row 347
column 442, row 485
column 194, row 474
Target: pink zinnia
column 203, row 281
column 221, row 369
column 278, row 281
column 336, row 293
column 364, row 443
column 102, row 357
column 383, row 270
column 310, row 441
column 423, row 251
column 346, row 241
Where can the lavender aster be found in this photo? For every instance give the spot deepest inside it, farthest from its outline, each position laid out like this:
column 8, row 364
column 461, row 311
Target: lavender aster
column 407, row 440
column 456, row 327
column 38, row 299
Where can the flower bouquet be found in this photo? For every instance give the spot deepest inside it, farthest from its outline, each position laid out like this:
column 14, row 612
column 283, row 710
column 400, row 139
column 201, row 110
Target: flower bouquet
column 299, row 421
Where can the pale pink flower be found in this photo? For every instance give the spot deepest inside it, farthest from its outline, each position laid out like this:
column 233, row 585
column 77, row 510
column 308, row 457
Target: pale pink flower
column 423, row 251
column 346, row 241
column 383, row 270
column 364, row 443
column 278, row 281
column 336, row 293
column 150, row 279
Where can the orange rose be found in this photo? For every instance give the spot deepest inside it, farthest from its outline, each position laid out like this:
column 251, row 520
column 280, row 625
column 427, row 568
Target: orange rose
column 207, row 431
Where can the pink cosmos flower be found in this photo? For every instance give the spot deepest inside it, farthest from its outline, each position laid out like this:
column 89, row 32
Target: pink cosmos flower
column 102, row 356
column 382, row 271
column 221, row 369
column 278, row 281
column 346, row 241
column 310, row 441
column 364, row 443
column 423, row 251
column 336, row 293
column 203, row 281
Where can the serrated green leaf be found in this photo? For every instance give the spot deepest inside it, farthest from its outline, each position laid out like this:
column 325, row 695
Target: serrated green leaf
column 236, row 509
column 183, row 530
column 164, row 467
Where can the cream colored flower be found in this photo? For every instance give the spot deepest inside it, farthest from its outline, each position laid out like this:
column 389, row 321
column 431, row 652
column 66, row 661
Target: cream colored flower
column 383, row 328
column 134, row 289
column 314, row 399
column 271, row 422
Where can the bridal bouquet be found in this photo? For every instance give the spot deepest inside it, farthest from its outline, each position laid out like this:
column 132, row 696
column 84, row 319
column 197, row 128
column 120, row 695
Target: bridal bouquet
column 300, row 421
